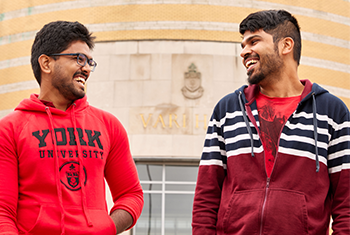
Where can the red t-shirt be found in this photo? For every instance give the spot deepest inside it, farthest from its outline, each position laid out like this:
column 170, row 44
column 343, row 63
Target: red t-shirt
column 273, row 114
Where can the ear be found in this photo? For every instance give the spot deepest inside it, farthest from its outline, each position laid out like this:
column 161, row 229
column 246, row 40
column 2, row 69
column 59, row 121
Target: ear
column 45, row 63
column 287, row 45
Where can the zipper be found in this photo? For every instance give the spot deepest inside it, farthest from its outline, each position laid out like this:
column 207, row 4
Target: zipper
column 269, row 178
column 264, row 204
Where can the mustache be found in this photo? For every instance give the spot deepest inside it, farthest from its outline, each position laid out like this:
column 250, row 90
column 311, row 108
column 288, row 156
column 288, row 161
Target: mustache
column 81, row 73
column 251, row 56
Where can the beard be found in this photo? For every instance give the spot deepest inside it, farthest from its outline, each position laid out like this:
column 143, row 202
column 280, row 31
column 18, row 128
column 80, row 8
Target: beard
column 268, row 64
column 66, row 86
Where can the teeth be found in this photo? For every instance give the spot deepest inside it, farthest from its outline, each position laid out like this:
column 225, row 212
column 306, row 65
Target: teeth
column 250, row 62
column 80, row 79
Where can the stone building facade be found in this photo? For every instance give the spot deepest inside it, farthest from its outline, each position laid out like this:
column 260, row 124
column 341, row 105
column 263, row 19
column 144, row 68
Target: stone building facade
column 162, row 66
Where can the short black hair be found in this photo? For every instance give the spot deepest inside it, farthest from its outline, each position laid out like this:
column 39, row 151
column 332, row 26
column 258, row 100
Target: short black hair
column 278, row 23
column 56, row 37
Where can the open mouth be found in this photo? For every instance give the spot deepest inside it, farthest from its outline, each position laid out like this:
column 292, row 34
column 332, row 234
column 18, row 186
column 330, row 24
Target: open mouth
column 80, row 80
column 249, row 64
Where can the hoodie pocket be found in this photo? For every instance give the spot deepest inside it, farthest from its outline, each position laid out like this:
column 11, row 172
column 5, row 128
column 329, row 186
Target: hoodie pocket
column 242, row 213
column 102, row 222
column 285, row 213
column 49, row 222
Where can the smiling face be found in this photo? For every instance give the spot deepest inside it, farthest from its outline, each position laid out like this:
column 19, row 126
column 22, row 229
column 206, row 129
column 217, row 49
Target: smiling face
column 68, row 77
column 260, row 56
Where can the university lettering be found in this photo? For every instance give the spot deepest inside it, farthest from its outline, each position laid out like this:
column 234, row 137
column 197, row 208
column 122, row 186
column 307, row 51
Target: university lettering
column 71, row 154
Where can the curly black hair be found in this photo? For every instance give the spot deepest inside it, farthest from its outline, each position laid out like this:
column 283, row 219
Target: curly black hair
column 56, row 37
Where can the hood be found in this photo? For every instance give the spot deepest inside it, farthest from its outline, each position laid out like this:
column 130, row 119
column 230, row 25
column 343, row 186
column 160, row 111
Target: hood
column 249, row 92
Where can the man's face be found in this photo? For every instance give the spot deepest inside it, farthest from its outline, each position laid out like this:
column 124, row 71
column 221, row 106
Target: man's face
column 68, row 77
column 260, row 56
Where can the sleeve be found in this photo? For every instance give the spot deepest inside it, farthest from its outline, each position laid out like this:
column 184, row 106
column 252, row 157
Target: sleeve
column 339, row 170
column 121, row 174
column 211, row 175
column 8, row 180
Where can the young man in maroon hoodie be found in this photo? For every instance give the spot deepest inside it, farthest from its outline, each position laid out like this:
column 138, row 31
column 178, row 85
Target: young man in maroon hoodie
column 56, row 149
column 276, row 158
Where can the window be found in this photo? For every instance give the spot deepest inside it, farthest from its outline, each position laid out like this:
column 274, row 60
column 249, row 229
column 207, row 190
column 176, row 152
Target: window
column 168, row 195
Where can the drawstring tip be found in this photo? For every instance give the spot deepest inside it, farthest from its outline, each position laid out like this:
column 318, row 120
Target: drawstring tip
column 90, row 224
column 253, row 155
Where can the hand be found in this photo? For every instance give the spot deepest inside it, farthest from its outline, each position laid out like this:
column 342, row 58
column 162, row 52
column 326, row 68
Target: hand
column 122, row 220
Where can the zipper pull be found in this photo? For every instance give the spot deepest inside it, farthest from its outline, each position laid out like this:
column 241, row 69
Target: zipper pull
column 268, row 182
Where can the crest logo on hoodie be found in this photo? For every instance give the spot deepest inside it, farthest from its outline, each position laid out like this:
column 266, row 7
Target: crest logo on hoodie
column 70, row 175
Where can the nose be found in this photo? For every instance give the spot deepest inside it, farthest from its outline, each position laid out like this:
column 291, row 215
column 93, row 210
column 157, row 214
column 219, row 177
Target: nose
column 86, row 70
column 245, row 51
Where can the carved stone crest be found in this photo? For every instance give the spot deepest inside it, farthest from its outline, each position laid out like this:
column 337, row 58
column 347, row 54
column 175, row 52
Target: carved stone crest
column 192, row 88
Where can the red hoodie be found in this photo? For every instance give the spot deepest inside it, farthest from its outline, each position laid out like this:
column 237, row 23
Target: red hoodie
column 56, row 185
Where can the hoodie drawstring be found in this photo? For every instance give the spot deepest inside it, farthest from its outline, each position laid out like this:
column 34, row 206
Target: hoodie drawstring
column 57, row 172
column 81, row 169
column 315, row 130
column 247, row 124
column 314, row 124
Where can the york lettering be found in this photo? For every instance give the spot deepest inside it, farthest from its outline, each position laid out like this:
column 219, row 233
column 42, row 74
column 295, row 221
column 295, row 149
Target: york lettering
column 68, row 137
column 41, row 137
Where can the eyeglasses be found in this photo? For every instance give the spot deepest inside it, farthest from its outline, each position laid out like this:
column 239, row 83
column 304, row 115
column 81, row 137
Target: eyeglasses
column 81, row 60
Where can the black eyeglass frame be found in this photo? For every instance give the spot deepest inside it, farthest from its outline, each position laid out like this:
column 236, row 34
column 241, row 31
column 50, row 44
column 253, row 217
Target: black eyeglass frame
column 91, row 62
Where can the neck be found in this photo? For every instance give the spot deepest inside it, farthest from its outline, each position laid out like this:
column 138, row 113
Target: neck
column 59, row 103
column 283, row 90
column 285, row 84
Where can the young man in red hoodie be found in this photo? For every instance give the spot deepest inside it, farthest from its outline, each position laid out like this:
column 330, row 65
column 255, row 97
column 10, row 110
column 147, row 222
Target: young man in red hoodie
column 276, row 158
column 56, row 149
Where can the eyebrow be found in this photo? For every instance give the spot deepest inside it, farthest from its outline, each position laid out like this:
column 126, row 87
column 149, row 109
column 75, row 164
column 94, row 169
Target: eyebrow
column 250, row 38
column 85, row 55
column 82, row 53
